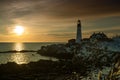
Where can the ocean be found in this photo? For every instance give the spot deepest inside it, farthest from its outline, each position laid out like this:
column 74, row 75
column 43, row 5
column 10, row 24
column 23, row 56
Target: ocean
column 22, row 58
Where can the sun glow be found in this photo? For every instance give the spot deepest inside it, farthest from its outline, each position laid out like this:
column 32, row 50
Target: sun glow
column 19, row 30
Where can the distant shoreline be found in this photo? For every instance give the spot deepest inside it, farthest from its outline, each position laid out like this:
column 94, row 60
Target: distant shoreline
column 33, row 42
column 15, row 51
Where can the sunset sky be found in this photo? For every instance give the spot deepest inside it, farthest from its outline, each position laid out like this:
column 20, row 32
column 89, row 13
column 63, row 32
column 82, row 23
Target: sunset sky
column 55, row 20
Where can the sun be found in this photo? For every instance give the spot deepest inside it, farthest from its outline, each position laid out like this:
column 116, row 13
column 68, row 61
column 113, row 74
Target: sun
column 19, row 30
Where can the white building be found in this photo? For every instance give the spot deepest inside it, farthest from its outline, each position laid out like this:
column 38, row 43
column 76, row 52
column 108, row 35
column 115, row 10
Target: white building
column 79, row 33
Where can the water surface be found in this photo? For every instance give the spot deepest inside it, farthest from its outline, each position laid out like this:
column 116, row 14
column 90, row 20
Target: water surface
column 22, row 58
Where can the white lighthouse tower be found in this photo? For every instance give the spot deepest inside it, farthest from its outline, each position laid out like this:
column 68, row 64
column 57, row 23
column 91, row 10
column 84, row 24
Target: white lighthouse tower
column 79, row 33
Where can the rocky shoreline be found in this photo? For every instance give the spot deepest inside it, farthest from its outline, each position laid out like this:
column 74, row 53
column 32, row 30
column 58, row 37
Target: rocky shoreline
column 75, row 69
column 41, row 70
column 97, row 60
column 85, row 61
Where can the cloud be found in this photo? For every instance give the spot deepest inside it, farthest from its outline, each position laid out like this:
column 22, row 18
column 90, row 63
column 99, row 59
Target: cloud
column 82, row 8
column 57, row 18
column 61, row 8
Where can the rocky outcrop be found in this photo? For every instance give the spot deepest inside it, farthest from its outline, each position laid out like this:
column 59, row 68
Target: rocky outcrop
column 96, row 61
column 102, row 63
column 56, row 50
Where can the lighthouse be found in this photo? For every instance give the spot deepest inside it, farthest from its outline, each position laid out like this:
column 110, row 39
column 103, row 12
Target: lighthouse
column 79, row 33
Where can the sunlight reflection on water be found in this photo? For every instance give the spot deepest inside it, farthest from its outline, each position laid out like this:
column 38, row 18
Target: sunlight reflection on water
column 22, row 58
column 19, row 58
column 18, row 46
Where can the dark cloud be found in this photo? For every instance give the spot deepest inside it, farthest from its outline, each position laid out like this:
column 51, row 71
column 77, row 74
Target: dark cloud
column 80, row 8
column 106, row 22
column 61, row 8
column 58, row 8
